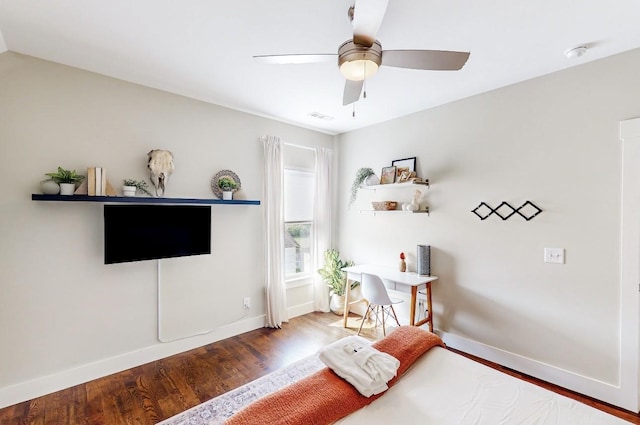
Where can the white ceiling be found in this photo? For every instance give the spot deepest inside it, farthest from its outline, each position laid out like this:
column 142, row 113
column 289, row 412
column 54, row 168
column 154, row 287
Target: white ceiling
column 203, row 48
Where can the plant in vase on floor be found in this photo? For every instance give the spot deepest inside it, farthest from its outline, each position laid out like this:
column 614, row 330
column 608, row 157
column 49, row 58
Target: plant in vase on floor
column 131, row 186
column 227, row 185
column 66, row 179
column 336, row 279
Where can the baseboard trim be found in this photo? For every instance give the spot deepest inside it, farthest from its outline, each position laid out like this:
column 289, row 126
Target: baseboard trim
column 47, row 384
column 585, row 385
column 300, row 309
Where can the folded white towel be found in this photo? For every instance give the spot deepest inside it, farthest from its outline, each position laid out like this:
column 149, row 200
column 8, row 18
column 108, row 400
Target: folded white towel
column 341, row 361
column 378, row 365
column 367, row 369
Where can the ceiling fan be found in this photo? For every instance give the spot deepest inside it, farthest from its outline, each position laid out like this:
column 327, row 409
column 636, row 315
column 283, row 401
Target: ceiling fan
column 361, row 57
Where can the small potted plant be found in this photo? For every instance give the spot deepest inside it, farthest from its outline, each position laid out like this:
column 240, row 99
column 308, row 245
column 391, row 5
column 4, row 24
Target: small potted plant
column 228, row 186
column 131, row 186
column 366, row 176
column 66, row 179
column 336, row 279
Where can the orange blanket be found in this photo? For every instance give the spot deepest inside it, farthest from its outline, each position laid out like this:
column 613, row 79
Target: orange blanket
column 324, row 397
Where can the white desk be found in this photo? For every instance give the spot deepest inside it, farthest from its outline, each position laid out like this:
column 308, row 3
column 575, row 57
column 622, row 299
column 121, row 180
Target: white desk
column 410, row 279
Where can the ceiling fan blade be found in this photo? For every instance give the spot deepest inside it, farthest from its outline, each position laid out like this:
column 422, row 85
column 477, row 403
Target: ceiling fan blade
column 296, row 58
column 367, row 17
column 435, row 60
column 352, row 90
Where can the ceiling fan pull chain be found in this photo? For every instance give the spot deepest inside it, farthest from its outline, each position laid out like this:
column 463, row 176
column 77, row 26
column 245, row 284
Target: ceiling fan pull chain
column 353, row 114
column 364, row 82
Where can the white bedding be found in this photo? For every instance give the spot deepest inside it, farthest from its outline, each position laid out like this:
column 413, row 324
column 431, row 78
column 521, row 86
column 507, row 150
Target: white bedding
column 444, row 388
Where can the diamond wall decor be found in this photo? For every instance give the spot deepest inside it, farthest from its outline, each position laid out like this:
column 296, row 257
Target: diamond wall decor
column 528, row 210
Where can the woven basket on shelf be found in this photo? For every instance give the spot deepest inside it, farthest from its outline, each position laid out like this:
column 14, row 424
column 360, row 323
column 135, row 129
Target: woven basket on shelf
column 384, row 205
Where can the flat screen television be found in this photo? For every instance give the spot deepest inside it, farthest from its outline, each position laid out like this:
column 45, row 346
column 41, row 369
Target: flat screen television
column 149, row 232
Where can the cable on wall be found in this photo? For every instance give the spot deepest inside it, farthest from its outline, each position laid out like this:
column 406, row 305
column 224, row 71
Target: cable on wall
column 160, row 338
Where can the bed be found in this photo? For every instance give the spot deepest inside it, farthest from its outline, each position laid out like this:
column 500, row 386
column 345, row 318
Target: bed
column 434, row 386
column 446, row 388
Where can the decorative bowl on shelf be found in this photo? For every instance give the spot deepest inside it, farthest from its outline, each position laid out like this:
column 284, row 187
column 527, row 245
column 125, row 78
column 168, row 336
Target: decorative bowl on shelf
column 221, row 175
column 49, row 187
column 384, row 205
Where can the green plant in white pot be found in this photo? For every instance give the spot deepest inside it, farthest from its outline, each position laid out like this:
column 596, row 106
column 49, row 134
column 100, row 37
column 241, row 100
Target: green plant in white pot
column 66, row 179
column 131, row 186
column 364, row 175
column 336, row 279
column 227, row 185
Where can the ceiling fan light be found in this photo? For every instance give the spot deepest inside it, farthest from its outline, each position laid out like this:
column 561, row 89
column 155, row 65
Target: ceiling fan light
column 359, row 62
column 358, row 70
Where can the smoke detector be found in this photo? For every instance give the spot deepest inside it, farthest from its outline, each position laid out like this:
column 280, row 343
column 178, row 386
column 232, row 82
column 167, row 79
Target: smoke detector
column 575, row 52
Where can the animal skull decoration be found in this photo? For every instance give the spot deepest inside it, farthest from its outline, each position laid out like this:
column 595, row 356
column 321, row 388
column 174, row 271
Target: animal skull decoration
column 160, row 167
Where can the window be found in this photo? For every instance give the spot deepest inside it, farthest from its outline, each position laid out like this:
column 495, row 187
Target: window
column 298, row 222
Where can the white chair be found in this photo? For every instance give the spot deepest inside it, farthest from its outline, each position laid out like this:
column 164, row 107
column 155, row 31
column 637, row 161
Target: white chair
column 374, row 291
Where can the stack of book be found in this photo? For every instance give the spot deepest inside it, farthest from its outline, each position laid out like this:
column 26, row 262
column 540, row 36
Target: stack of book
column 96, row 181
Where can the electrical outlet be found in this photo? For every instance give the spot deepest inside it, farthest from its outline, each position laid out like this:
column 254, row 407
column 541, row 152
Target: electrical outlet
column 554, row 255
column 247, row 303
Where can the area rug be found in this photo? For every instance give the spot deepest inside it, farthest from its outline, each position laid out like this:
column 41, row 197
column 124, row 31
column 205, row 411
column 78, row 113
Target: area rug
column 354, row 323
column 217, row 410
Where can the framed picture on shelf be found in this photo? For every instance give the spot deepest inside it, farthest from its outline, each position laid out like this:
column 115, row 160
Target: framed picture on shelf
column 388, row 175
column 405, row 169
column 409, row 163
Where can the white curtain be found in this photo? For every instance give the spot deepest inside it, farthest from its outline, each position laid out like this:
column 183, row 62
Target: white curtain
column 322, row 232
column 273, row 221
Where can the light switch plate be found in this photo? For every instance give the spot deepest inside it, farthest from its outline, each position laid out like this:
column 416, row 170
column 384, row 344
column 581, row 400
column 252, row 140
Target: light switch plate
column 554, row 255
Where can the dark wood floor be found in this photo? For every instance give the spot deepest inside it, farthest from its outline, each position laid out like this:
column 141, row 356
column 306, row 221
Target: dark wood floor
column 155, row 391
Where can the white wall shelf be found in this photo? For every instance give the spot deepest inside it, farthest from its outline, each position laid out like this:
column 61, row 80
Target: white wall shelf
column 423, row 211
column 406, row 185
column 398, row 185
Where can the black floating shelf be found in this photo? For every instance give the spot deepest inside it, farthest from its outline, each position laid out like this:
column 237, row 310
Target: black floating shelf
column 139, row 200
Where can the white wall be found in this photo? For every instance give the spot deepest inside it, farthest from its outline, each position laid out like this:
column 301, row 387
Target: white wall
column 65, row 317
column 3, row 46
column 554, row 141
column 630, row 265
